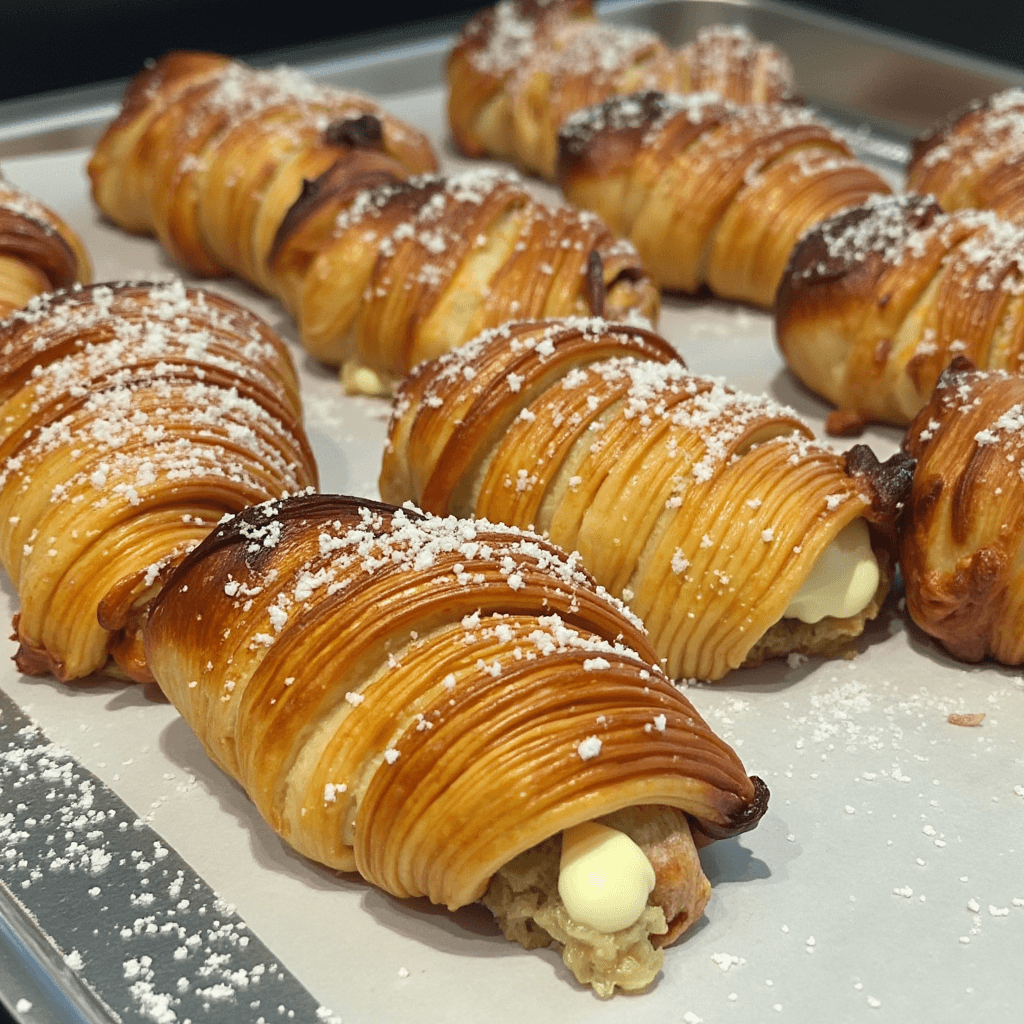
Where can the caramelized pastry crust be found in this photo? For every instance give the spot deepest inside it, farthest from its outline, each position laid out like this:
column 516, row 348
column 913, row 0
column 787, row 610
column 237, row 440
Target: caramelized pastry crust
column 383, row 277
column 876, row 301
column 521, row 67
column 38, row 251
column 301, row 189
column 422, row 700
column 208, row 155
column 704, row 509
column 961, row 547
column 712, row 194
column 975, row 159
column 132, row 418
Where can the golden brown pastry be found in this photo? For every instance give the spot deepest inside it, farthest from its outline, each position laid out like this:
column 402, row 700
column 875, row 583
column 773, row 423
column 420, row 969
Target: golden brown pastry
column 301, row 189
column 876, row 302
column 963, row 538
column 713, row 514
column 521, row 67
column 975, row 158
column 209, row 154
column 729, row 60
column 433, row 703
column 380, row 278
column 132, row 418
column 712, row 194
column 38, row 251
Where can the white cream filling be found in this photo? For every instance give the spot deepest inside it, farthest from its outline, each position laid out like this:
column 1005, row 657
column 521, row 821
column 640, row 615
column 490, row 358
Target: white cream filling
column 842, row 581
column 604, row 878
column 357, row 379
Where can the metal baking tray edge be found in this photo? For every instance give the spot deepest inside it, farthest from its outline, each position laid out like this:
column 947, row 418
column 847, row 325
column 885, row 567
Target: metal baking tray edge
column 857, row 71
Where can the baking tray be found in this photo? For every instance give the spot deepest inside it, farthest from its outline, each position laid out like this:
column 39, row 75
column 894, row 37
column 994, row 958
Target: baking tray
column 885, row 883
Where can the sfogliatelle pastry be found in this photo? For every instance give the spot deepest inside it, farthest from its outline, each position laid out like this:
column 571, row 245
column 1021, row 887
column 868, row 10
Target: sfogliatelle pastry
column 302, row 190
column 521, row 67
column 380, row 278
column 962, row 543
column 39, row 252
column 975, row 158
column 209, row 154
column 133, row 417
column 453, row 710
column 712, row 194
column 878, row 300
column 714, row 514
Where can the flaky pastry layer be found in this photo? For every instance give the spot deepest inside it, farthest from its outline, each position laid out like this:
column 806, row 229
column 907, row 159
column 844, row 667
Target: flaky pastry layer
column 962, row 546
column 974, row 159
column 712, row 194
column 383, row 275
column 39, row 252
column 878, row 300
column 132, row 418
column 421, row 700
column 520, row 68
column 703, row 508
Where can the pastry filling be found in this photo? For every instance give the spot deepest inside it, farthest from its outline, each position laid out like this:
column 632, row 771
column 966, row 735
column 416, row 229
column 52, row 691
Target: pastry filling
column 604, row 878
column 842, row 582
column 607, row 899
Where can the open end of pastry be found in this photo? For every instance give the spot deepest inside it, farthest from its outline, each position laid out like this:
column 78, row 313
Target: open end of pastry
column 845, row 588
column 608, row 894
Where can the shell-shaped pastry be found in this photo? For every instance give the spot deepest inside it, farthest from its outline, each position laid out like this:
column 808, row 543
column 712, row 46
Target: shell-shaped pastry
column 39, row 252
column 878, row 300
column 520, row 68
column 381, row 276
column 423, row 700
column 209, row 154
column 961, row 545
column 703, row 508
column 731, row 61
column 975, row 158
column 132, row 418
column 712, row 194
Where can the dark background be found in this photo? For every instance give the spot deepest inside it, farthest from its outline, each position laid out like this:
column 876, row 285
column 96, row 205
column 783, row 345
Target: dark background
column 60, row 44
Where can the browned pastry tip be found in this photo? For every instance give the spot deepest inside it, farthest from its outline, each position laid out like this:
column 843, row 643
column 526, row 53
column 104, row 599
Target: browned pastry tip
column 962, row 542
column 39, row 252
column 711, row 193
column 428, row 701
column 134, row 416
column 974, row 158
column 877, row 300
column 705, row 509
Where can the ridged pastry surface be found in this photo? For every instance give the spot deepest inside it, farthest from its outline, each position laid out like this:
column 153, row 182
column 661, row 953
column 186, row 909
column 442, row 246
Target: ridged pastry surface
column 132, row 418
column 520, row 68
column 878, row 300
column 703, row 508
column 962, row 546
column 39, row 252
column 208, row 154
column 383, row 277
column 712, row 194
column 730, row 61
column 421, row 699
column 975, row 158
